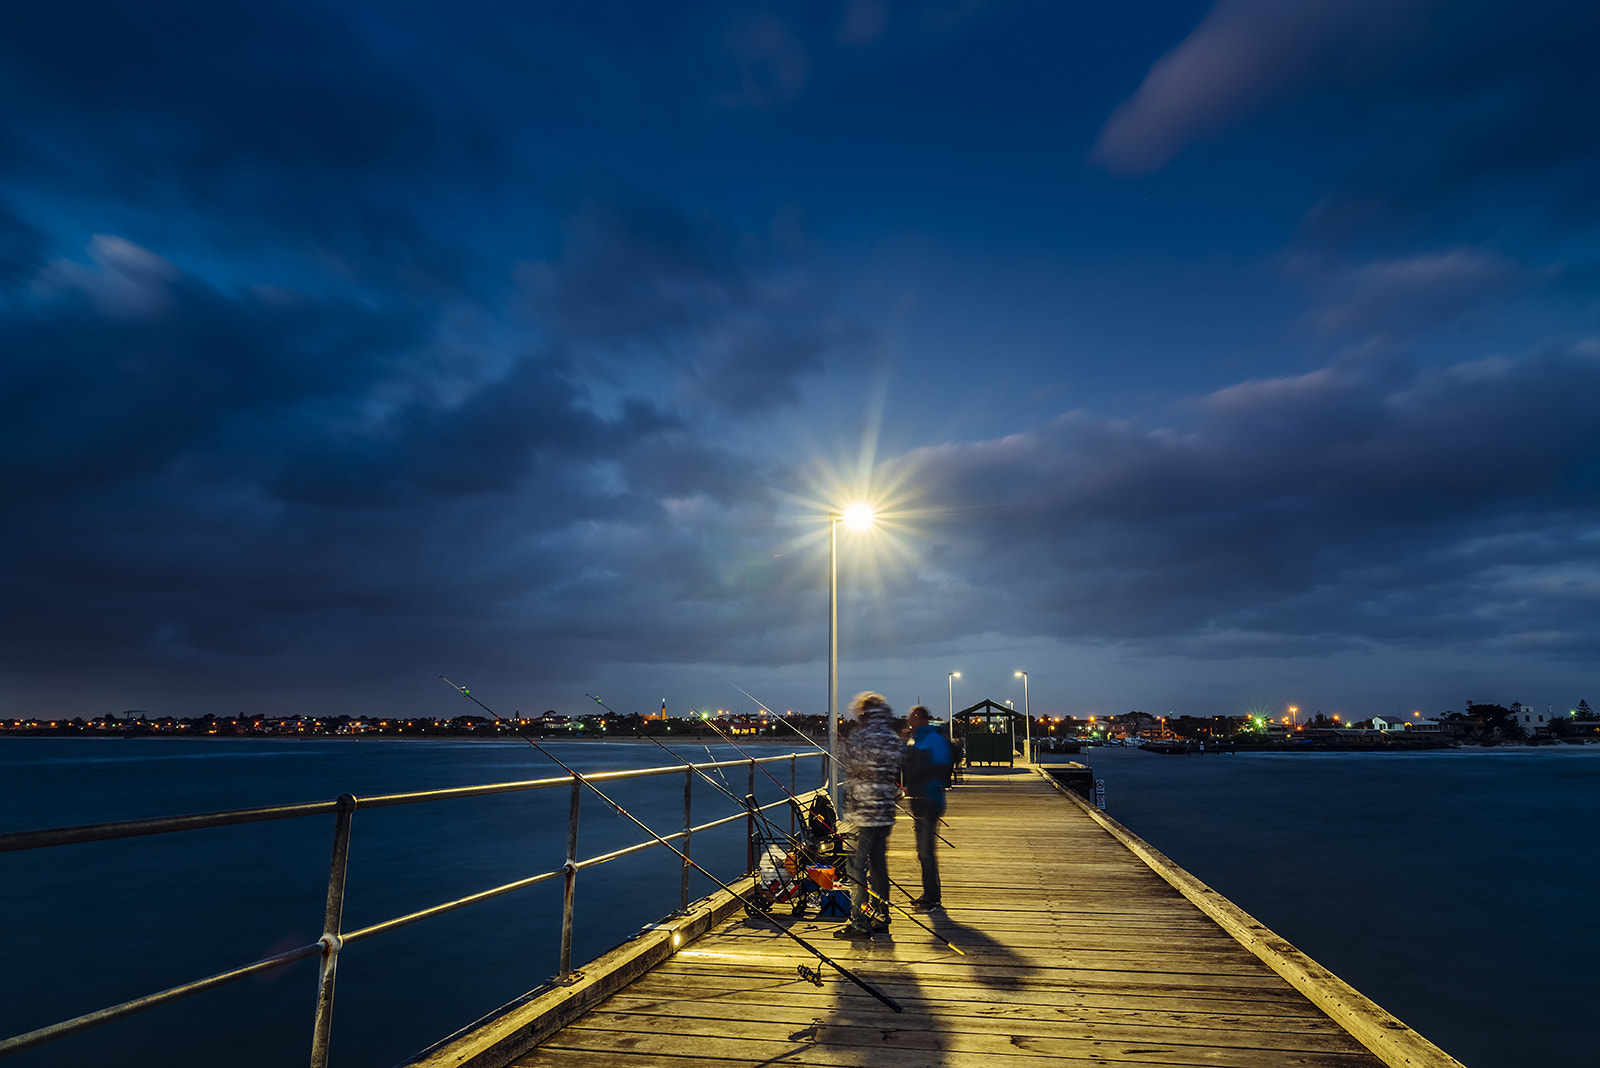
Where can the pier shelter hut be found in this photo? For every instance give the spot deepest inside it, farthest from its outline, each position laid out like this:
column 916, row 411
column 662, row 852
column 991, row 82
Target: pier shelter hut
column 987, row 733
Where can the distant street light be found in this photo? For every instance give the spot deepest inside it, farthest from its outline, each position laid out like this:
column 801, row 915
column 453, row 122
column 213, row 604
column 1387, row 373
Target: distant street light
column 856, row 517
column 1027, row 716
column 950, row 684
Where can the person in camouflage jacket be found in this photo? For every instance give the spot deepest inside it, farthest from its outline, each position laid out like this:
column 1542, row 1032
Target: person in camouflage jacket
column 871, row 761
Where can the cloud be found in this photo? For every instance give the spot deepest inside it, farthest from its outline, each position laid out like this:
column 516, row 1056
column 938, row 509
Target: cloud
column 200, row 481
column 1483, row 128
column 1408, row 294
column 773, row 63
column 121, row 367
column 1341, row 508
column 643, row 285
column 279, row 121
column 863, row 22
column 1243, row 53
column 22, row 249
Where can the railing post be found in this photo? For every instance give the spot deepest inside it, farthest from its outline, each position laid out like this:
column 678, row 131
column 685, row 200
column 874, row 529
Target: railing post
column 750, row 821
column 688, row 793
column 571, row 879
column 332, row 922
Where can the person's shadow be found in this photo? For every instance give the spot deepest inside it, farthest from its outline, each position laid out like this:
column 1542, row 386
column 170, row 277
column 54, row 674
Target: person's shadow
column 910, row 967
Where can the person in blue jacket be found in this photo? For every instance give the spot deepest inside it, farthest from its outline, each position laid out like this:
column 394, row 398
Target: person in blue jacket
column 925, row 773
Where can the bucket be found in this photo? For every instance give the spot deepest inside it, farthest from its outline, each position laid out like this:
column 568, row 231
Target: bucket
column 823, row 877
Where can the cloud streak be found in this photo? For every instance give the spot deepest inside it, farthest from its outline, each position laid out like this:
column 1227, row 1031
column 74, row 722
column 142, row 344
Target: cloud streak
column 1243, row 54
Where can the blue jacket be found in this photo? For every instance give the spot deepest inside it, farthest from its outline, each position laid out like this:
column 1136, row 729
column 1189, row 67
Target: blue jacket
column 927, row 766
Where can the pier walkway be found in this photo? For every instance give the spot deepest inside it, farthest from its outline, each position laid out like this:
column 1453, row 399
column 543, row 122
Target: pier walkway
column 1082, row 947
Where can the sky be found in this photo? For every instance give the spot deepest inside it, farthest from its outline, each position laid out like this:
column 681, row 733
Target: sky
column 1198, row 357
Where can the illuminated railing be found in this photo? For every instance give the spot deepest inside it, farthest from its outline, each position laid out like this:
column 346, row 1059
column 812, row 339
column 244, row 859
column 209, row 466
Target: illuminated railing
column 334, row 938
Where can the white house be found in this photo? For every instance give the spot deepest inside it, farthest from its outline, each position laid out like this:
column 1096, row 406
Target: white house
column 1535, row 722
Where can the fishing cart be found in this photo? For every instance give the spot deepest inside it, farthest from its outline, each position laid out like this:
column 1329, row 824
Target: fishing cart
column 802, row 870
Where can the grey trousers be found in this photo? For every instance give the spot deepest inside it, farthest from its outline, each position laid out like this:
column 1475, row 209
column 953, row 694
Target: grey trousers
column 869, row 862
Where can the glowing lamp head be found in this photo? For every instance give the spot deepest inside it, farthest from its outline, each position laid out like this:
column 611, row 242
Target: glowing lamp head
column 859, row 516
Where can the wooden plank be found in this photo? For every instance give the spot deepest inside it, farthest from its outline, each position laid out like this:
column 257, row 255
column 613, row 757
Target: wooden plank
column 710, row 1020
column 922, row 1046
column 802, row 1056
column 1085, row 1001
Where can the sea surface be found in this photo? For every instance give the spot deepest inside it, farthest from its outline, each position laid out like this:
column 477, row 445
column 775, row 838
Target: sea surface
column 1454, row 888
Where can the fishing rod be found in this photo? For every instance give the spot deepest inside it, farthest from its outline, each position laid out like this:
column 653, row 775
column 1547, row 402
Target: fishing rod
column 887, row 903
column 745, row 803
column 772, row 827
column 812, row 976
column 814, row 745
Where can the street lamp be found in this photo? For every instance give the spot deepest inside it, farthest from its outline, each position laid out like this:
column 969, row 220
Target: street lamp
column 1027, row 716
column 1294, row 710
column 950, row 684
column 856, row 517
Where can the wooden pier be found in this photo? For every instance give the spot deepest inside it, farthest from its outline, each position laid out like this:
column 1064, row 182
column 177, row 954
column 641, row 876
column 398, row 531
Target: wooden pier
column 1083, row 946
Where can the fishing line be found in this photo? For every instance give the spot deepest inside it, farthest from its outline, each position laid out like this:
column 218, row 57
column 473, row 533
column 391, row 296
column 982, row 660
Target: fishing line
column 807, row 946
column 796, row 800
column 726, row 786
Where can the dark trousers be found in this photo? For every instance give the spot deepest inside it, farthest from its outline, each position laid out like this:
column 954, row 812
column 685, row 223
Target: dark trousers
column 869, row 862
column 925, row 815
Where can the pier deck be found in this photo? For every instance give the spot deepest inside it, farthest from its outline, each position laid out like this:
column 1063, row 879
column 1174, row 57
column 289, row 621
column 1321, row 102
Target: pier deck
column 1076, row 950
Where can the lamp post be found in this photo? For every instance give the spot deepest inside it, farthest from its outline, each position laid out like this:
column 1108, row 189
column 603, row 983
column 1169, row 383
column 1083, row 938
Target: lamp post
column 1027, row 718
column 859, row 517
column 950, row 724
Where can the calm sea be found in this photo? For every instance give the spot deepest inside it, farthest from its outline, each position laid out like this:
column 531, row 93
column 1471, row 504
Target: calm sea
column 1451, row 887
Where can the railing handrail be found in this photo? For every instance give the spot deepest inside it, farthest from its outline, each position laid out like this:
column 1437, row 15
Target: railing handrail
column 335, row 938
column 14, row 841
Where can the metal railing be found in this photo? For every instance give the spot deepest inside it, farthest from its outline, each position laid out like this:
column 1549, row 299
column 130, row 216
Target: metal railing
column 334, row 938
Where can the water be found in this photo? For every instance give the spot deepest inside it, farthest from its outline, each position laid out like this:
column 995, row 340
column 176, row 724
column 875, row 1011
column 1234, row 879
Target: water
column 87, row 926
column 1453, row 888
column 1450, row 887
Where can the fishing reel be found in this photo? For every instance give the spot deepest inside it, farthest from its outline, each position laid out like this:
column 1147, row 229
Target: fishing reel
column 811, row 975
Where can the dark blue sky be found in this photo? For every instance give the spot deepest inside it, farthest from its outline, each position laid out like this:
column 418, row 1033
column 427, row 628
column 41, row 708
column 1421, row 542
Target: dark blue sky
column 1208, row 357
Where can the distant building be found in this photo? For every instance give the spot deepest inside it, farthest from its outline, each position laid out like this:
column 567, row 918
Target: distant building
column 1534, row 722
column 1426, row 726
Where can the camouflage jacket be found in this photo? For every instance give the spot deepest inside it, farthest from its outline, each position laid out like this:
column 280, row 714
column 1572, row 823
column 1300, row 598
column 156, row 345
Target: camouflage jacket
column 872, row 773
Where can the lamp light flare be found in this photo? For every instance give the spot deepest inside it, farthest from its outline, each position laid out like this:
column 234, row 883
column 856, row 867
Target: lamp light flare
column 859, row 516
